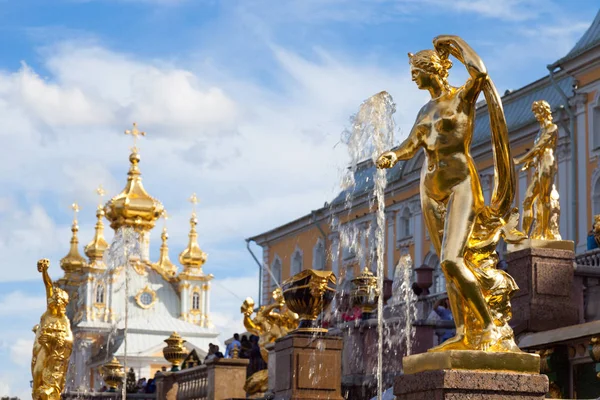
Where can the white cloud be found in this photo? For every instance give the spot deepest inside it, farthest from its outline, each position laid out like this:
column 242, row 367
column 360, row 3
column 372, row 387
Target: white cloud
column 18, row 303
column 21, row 351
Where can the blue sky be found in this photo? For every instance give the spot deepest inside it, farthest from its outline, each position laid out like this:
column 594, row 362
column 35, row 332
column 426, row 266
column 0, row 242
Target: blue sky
column 243, row 102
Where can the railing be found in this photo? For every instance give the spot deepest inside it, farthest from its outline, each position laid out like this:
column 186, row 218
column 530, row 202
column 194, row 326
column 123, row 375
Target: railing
column 218, row 379
column 193, row 383
column 589, row 258
column 107, row 396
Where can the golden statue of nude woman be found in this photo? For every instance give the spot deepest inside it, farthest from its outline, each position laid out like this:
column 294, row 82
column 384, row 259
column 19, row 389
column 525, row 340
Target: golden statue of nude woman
column 53, row 343
column 463, row 229
column 542, row 192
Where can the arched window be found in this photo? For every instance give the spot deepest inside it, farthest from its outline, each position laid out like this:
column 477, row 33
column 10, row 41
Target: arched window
column 195, row 301
column 439, row 280
column 100, row 294
column 596, row 196
column 296, row 266
column 404, row 228
column 596, row 124
column 276, row 271
column 319, row 255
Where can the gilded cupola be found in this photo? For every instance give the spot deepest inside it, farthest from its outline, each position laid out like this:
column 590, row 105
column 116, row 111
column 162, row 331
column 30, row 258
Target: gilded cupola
column 164, row 265
column 73, row 261
column 192, row 258
column 95, row 249
column 133, row 207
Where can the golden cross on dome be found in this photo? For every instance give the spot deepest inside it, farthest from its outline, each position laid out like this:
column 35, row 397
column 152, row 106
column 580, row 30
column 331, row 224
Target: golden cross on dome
column 100, row 192
column 75, row 208
column 194, row 200
column 165, row 218
column 135, row 132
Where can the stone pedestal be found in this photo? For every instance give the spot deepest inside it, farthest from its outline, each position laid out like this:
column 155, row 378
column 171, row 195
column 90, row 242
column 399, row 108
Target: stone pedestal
column 548, row 297
column 308, row 367
column 472, row 385
column 271, row 367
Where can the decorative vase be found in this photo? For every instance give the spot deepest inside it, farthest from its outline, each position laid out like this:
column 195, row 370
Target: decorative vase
column 365, row 294
column 175, row 352
column 112, row 374
column 308, row 294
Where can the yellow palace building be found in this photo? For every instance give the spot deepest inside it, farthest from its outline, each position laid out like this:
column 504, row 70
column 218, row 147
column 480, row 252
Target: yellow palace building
column 572, row 88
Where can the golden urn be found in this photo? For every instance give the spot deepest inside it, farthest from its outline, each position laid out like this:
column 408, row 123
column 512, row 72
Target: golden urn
column 365, row 294
column 112, row 374
column 175, row 352
column 308, row 294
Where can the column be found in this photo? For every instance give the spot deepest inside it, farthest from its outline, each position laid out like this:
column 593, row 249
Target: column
column 415, row 211
column 183, row 290
column 207, row 304
column 145, row 246
column 390, row 224
column 486, row 180
column 363, row 244
column 565, row 188
column 522, row 190
column 583, row 220
column 334, row 240
column 265, row 290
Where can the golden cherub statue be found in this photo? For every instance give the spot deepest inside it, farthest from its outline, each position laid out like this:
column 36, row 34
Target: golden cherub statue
column 463, row 229
column 53, row 342
column 542, row 193
column 269, row 325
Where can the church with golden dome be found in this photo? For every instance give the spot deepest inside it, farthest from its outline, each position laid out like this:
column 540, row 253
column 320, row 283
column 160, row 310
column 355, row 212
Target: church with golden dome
column 123, row 304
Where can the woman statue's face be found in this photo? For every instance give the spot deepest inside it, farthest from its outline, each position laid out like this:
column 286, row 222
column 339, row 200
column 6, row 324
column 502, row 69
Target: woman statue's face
column 422, row 78
column 419, row 77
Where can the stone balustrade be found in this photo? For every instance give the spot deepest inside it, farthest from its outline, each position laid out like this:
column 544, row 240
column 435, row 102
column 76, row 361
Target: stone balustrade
column 217, row 379
column 107, row 396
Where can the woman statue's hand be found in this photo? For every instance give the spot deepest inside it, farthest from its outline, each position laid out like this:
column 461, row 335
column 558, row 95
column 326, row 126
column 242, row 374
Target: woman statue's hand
column 387, row 160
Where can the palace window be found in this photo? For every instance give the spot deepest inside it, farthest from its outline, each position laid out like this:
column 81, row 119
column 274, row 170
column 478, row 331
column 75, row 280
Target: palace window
column 596, row 197
column 595, row 128
column 319, row 255
column 100, row 294
column 195, row 301
column 276, row 274
column 439, row 280
column 296, row 266
column 404, row 225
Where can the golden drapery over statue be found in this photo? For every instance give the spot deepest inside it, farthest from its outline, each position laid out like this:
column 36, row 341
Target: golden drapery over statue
column 541, row 208
column 53, row 342
column 463, row 229
column 269, row 325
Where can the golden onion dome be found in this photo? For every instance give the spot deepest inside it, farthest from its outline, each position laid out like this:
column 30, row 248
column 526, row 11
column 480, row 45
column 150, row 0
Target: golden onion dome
column 133, row 207
column 164, row 264
column 73, row 261
column 192, row 258
column 95, row 249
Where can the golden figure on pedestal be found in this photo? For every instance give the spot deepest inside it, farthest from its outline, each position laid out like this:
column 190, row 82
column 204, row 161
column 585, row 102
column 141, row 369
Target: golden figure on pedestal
column 53, row 342
column 541, row 197
column 463, row 229
column 269, row 325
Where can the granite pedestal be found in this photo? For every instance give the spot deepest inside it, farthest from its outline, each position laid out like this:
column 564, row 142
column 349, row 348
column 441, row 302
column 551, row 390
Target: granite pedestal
column 308, row 368
column 549, row 295
column 472, row 385
column 474, row 375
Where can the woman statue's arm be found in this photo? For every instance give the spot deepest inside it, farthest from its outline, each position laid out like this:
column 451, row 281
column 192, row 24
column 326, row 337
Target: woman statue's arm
column 405, row 151
column 42, row 266
column 538, row 146
column 453, row 45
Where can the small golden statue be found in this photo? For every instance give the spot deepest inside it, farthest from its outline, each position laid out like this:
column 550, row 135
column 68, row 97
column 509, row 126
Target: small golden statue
column 463, row 229
column 269, row 325
column 53, row 342
column 541, row 195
